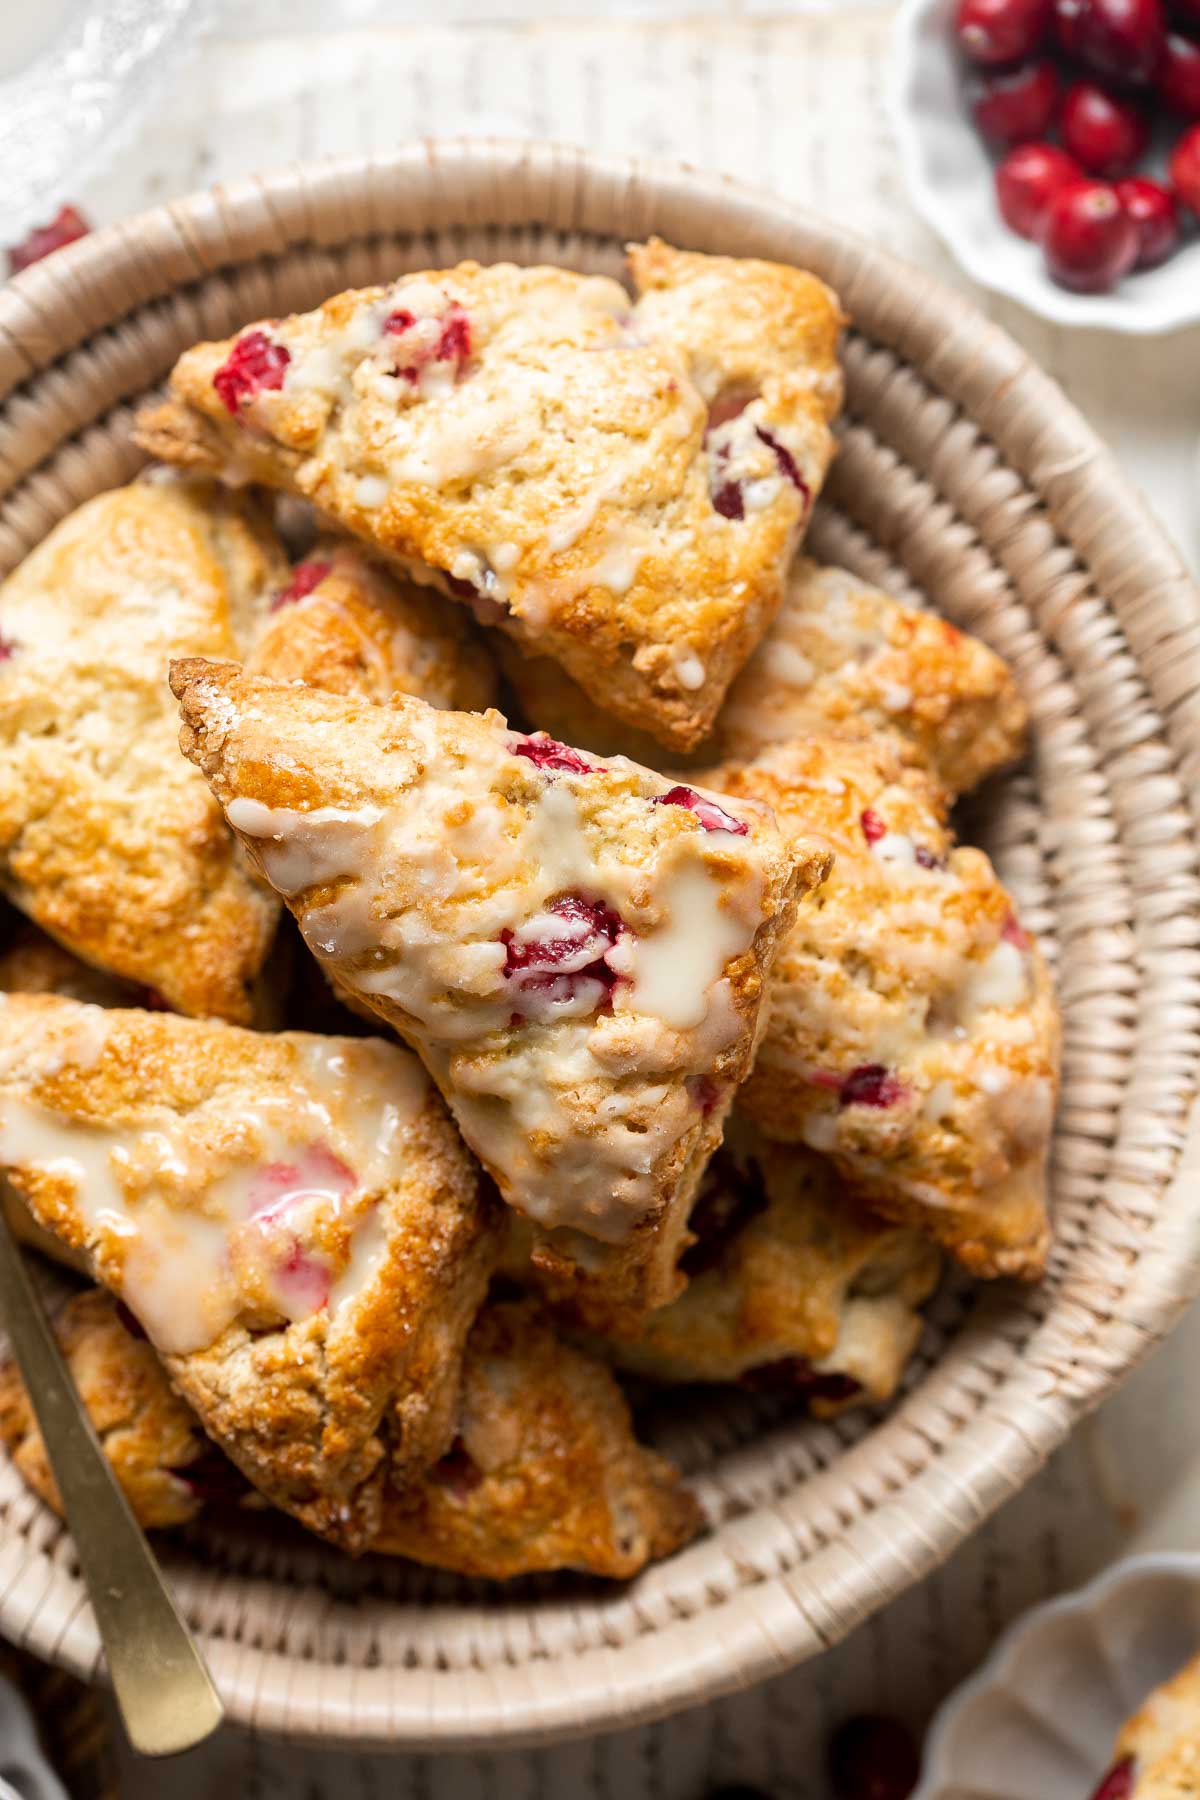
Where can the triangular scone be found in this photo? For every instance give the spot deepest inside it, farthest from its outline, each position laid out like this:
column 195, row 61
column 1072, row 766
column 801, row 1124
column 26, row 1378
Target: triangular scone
column 840, row 655
column 292, row 1219
column 1157, row 1753
column 913, row 1034
column 544, row 1473
column 620, row 484
column 107, row 838
column 792, row 1282
column 576, row 948
column 343, row 623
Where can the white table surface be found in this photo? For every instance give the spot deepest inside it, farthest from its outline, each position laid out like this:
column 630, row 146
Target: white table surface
column 790, row 101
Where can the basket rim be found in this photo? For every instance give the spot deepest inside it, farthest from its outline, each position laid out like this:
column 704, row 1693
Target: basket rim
column 767, row 1623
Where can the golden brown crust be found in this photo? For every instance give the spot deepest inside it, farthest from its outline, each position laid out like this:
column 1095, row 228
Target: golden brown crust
column 840, row 656
column 791, row 1279
column 1162, row 1740
column 579, row 487
column 545, row 1472
column 107, row 839
column 914, row 1035
column 344, row 624
column 149, row 1435
column 293, row 1220
column 424, row 854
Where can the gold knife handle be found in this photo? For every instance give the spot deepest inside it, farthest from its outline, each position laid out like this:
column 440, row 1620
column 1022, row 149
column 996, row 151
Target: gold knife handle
column 165, row 1694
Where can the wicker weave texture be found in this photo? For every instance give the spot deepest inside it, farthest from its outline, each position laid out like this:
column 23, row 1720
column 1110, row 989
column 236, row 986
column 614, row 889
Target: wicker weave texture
column 965, row 480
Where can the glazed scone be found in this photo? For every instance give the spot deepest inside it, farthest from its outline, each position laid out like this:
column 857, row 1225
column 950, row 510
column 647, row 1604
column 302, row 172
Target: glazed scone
column 840, row 656
column 343, row 623
column 1157, row 1753
column 292, row 1220
column 914, row 1035
column 791, row 1282
column 107, row 838
column 619, row 484
column 576, row 948
column 545, row 1472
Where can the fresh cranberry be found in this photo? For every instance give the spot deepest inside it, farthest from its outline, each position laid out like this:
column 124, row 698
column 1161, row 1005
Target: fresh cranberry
column 873, row 1758
column 1122, row 39
column 570, row 967
column 547, row 753
column 1107, row 135
column 710, row 815
column 786, row 461
column 1179, row 77
column 1153, row 210
column 1118, row 1783
column 1026, row 182
column 1089, row 240
column 1001, row 31
column 873, row 827
column 305, row 577
column 254, row 365
column 871, row 1085
column 1185, row 169
column 458, row 1471
column 1014, row 106
column 730, row 1196
column 65, row 227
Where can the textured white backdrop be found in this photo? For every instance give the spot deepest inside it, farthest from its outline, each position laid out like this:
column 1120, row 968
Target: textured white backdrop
column 792, row 102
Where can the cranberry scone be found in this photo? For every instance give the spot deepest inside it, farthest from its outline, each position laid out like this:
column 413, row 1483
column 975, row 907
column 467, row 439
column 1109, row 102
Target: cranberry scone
column 343, row 623
column 293, row 1221
column 1157, row 1754
column 577, row 949
column 840, row 656
column 544, row 1472
column 792, row 1284
column 619, row 483
column 107, row 838
column 914, row 1035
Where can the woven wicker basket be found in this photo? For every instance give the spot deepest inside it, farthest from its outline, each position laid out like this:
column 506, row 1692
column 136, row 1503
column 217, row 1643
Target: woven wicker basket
column 965, row 478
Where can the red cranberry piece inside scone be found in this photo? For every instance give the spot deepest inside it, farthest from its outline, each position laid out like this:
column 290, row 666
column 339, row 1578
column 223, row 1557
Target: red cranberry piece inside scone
column 543, row 449
column 256, row 1207
column 913, row 1034
column 580, row 967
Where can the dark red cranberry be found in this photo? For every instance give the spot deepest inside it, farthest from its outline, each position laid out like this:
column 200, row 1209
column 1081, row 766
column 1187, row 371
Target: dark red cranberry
column 547, row 753
column 1089, row 240
column 305, row 577
column 1002, row 31
column 130, row 1321
column 1014, row 106
column 873, row 1758
column 730, row 1196
column 795, row 1374
column 254, row 365
column 1179, row 76
column 1106, row 134
column 67, row 225
column 1185, row 169
column 458, row 1471
column 453, row 343
column 710, row 815
column 873, row 827
column 1118, row 1783
column 1027, row 181
column 871, row 1085
column 558, row 969
column 1122, row 39
column 727, row 500
column 399, row 321
column 786, row 461
column 1154, row 212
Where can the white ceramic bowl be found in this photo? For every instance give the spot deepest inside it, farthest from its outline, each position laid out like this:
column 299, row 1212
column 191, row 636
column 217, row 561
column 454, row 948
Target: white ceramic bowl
column 949, row 173
column 1039, row 1718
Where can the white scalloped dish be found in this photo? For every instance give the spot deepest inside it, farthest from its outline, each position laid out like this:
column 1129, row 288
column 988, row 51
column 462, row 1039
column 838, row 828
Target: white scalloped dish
column 949, row 173
column 1039, row 1719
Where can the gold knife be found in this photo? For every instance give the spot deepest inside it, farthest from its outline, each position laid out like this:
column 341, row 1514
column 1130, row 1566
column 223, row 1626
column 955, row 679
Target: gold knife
column 163, row 1690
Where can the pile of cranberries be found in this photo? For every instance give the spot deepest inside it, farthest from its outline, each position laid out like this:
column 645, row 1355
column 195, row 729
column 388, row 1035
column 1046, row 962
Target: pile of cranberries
column 1096, row 76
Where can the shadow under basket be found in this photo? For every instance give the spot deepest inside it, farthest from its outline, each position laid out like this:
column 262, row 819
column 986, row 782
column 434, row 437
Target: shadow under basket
column 965, row 480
